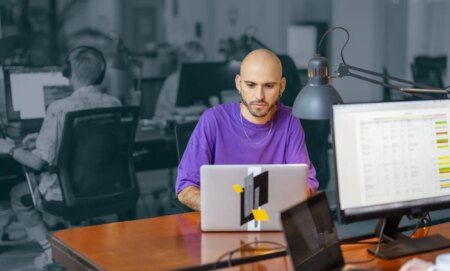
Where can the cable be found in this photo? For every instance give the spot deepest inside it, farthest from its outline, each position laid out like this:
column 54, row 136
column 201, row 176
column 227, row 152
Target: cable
column 231, row 252
column 422, row 221
column 345, row 44
column 375, row 255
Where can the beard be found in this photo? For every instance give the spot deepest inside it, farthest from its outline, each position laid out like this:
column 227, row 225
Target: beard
column 258, row 112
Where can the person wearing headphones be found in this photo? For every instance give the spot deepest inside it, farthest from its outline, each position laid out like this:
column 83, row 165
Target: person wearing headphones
column 85, row 68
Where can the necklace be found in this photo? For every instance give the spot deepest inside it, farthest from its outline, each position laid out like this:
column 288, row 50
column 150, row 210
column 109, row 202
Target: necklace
column 245, row 133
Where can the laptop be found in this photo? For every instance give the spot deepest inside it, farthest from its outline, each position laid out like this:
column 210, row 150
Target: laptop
column 311, row 236
column 249, row 197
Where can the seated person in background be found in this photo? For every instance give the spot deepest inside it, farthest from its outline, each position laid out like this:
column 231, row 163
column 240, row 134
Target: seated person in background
column 257, row 130
column 166, row 105
column 87, row 66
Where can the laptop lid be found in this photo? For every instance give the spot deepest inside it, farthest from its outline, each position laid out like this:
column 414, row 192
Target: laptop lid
column 249, row 197
column 311, row 236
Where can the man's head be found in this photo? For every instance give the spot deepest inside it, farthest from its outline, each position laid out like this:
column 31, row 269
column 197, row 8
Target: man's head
column 260, row 83
column 85, row 66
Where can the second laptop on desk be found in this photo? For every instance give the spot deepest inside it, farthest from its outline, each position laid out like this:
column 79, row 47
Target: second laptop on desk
column 249, row 197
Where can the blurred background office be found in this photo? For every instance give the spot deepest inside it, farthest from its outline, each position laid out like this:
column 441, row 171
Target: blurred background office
column 145, row 42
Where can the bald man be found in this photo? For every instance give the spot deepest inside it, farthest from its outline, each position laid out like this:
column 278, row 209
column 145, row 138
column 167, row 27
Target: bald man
column 257, row 130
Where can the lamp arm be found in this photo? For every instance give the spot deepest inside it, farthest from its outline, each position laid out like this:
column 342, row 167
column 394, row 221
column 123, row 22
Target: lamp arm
column 344, row 70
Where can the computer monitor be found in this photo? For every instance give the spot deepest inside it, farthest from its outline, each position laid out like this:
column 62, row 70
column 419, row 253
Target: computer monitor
column 29, row 91
column 199, row 81
column 393, row 159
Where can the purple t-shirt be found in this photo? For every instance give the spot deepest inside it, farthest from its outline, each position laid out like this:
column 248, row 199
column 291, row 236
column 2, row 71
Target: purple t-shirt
column 219, row 138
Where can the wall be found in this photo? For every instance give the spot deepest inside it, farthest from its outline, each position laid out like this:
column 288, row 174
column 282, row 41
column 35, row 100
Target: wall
column 365, row 22
column 228, row 18
column 394, row 52
column 104, row 15
column 187, row 21
column 428, row 32
column 310, row 10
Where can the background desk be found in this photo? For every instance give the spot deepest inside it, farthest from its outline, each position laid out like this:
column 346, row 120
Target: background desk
column 155, row 149
column 176, row 242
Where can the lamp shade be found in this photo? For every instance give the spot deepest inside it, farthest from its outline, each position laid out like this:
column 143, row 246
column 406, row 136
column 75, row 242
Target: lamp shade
column 315, row 99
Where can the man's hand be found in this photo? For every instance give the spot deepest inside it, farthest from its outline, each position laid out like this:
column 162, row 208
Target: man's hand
column 190, row 196
column 29, row 142
column 6, row 145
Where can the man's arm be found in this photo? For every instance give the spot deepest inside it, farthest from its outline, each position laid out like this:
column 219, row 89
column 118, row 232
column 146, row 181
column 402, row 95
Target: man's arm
column 297, row 153
column 28, row 159
column 199, row 151
column 23, row 156
column 190, row 196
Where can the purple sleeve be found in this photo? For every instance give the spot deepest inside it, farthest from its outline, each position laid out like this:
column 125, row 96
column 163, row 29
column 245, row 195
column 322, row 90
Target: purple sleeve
column 198, row 152
column 297, row 153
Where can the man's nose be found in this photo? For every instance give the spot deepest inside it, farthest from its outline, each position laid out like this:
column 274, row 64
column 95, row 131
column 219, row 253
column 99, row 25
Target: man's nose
column 260, row 93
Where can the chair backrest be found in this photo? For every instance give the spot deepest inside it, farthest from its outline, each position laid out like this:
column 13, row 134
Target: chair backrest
column 429, row 70
column 182, row 135
column 95, row 167
column 427, row 75
column 293, row 83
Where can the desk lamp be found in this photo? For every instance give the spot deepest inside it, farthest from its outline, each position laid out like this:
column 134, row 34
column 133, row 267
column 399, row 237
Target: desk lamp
column 315, row 99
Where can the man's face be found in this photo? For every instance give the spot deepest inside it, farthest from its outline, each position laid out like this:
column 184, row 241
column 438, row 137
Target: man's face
column 260, row 87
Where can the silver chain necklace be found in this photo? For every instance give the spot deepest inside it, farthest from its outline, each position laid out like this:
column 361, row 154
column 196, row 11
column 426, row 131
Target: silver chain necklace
column 245, row 133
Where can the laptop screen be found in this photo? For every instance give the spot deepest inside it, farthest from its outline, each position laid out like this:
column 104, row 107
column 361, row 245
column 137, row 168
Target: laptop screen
column 311, row 236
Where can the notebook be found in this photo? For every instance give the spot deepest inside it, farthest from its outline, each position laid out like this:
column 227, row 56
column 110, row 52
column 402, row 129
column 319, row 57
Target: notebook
column 249, row 197
column 311, row 236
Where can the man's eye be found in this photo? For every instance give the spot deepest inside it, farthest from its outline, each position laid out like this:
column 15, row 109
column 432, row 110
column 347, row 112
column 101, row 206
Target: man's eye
column 270, row 86
column 251, row 85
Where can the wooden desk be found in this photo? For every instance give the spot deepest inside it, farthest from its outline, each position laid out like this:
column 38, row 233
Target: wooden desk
column 163, row 243
column 354, row 253
column 176, row 242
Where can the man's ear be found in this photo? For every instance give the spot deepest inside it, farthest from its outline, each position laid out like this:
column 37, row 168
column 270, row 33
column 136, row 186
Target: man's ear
column 237, row 81
column 283, row 85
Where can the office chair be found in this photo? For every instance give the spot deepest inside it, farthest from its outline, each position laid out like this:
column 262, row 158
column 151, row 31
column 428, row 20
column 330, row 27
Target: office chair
column 427, row 75
column 428, row 70
column 293, row 82
column 95, row 167
column 182, row 134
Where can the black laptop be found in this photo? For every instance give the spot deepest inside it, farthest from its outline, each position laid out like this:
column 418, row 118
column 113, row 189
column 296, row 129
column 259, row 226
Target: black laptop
column 311, row 236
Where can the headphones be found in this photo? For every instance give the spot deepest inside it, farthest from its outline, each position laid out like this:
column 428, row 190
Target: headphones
column 67, row 66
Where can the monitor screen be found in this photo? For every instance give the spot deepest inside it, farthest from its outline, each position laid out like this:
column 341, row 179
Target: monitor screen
column 29, row 90
column 391, row 158
column 199, row 81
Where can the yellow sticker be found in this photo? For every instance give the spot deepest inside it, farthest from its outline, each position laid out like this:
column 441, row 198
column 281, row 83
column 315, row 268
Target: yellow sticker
column 238, row 188
column 260, row 215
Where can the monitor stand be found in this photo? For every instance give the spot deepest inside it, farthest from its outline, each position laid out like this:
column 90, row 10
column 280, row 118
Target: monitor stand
column 396, row 244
